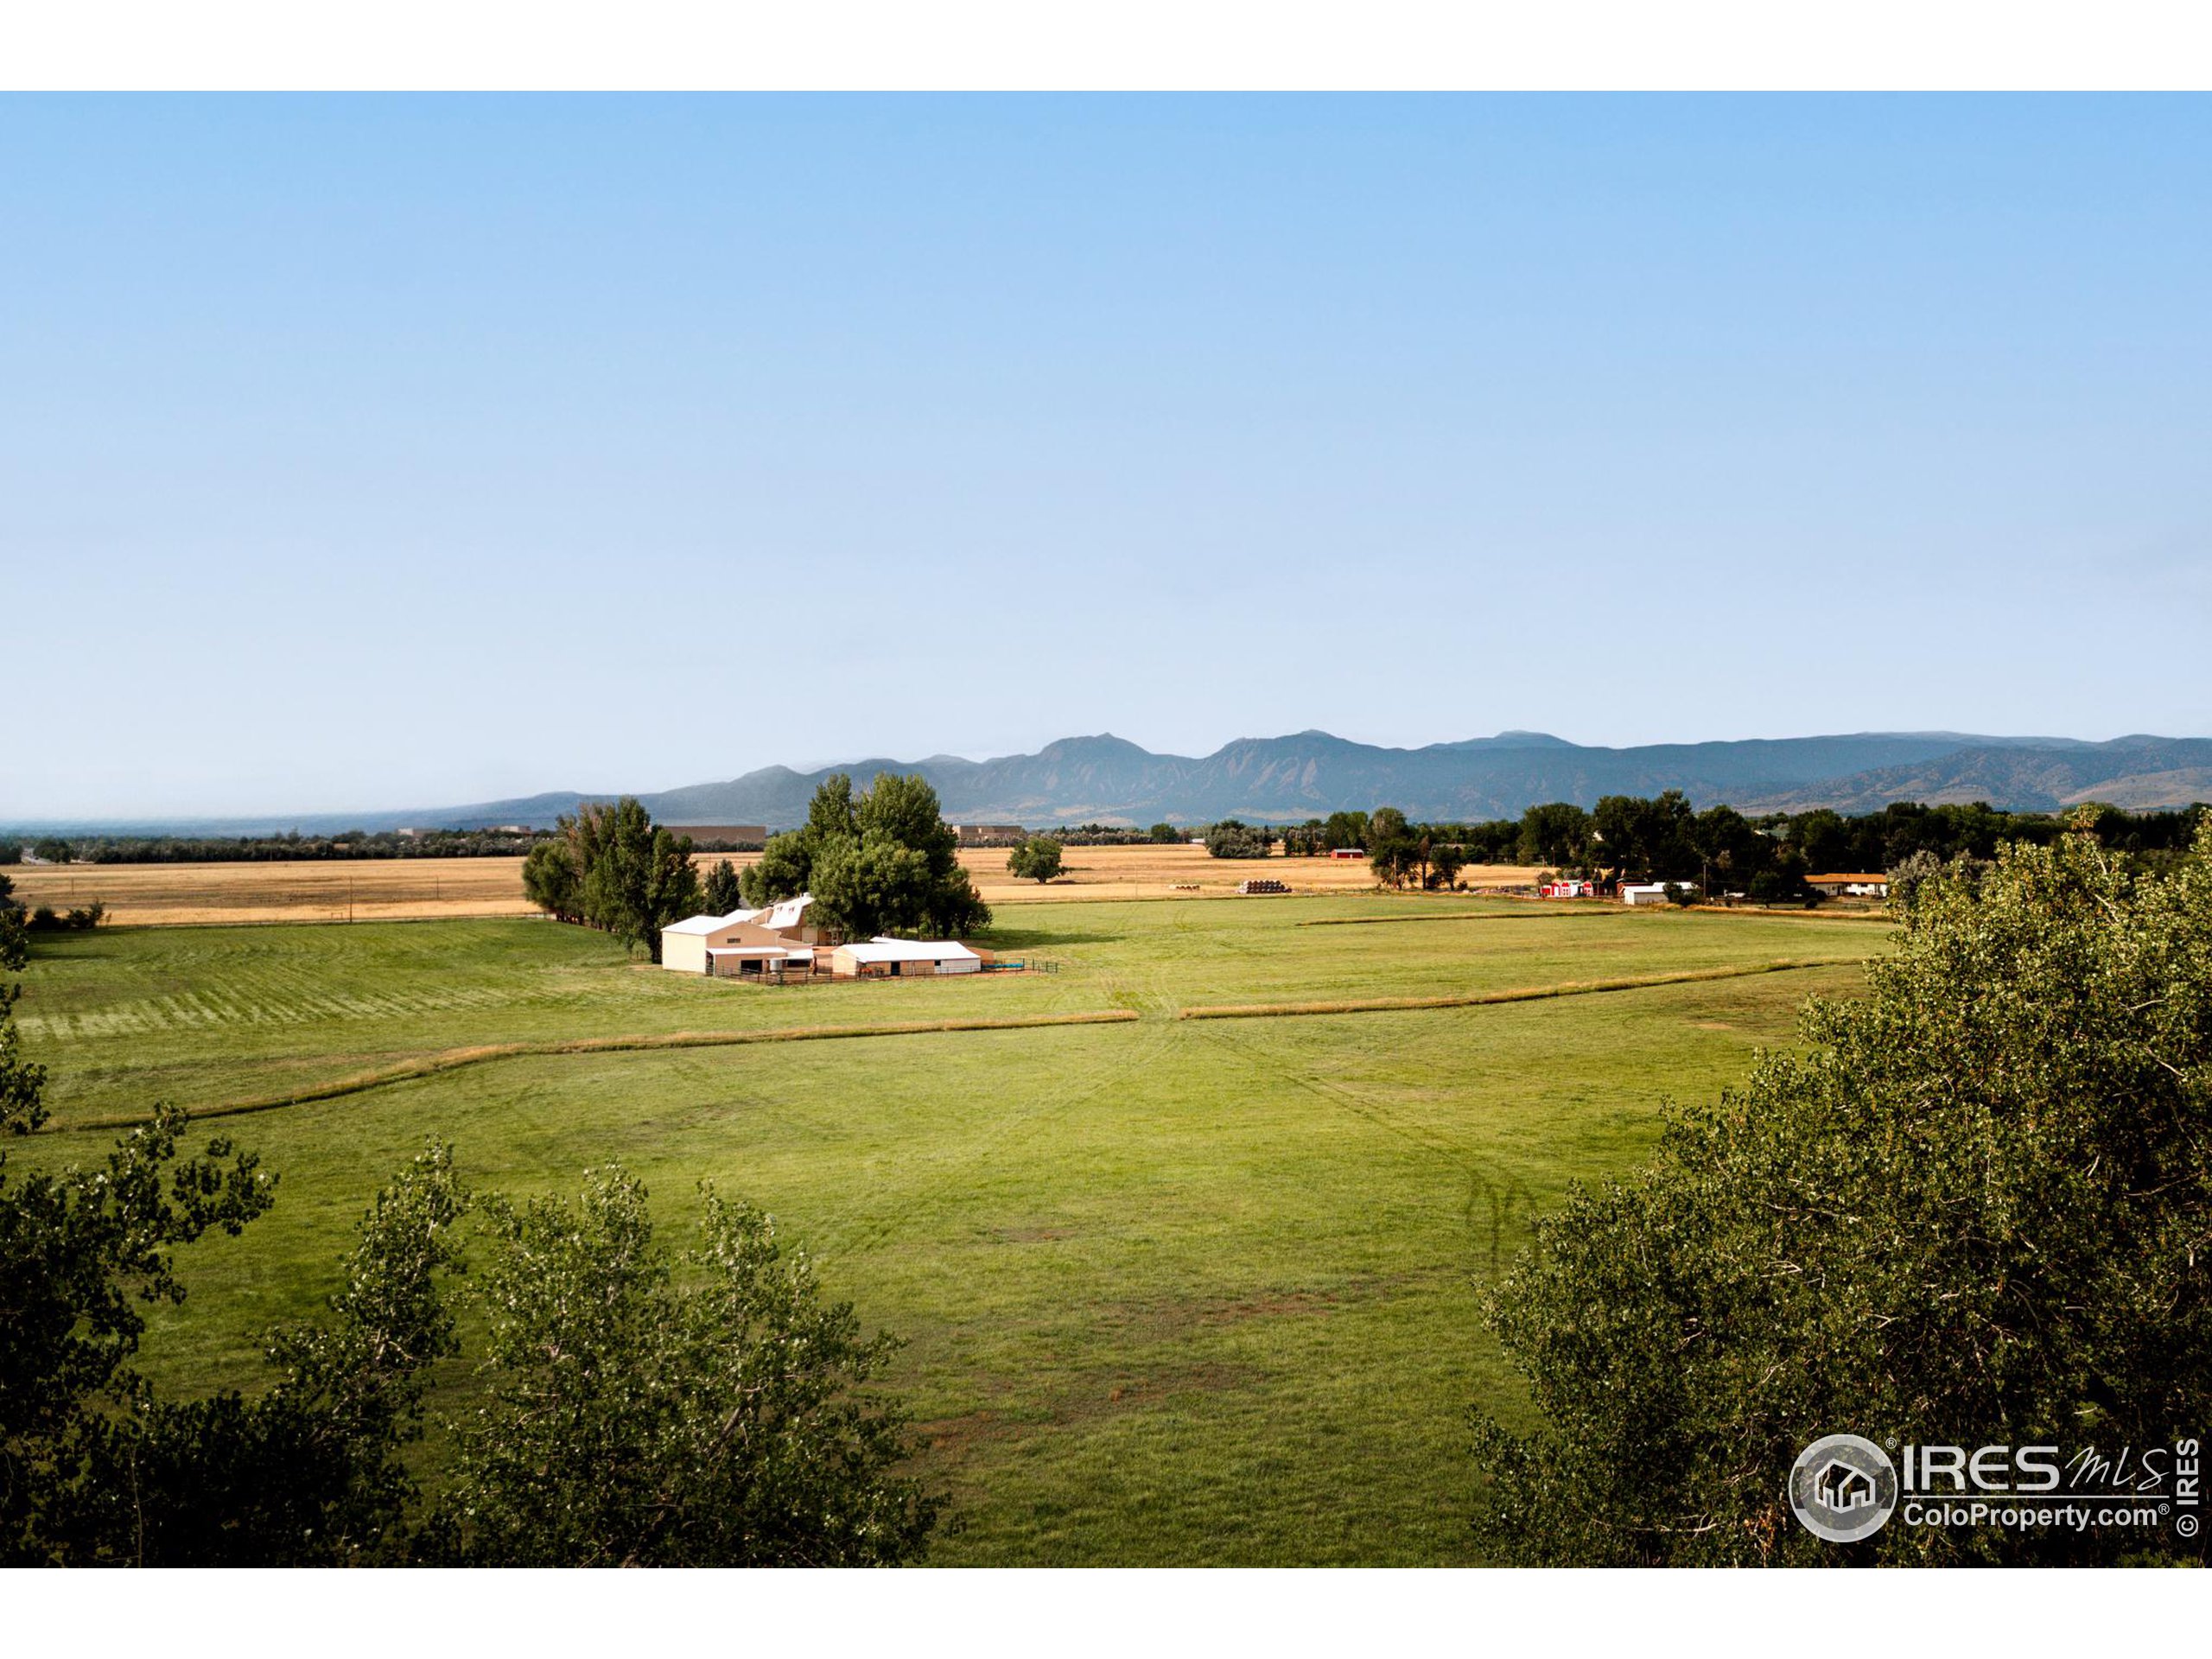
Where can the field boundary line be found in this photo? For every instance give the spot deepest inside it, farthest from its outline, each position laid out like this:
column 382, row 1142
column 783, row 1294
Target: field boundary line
column 1468, row 916
column 454, row 1059
column 1520, row 993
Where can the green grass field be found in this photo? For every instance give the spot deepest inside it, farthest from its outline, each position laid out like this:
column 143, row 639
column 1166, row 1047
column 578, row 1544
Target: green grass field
column 1174, row 1290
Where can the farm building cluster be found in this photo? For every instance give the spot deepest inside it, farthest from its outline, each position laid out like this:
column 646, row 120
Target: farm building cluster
column 777, row 942
column 1875, row 885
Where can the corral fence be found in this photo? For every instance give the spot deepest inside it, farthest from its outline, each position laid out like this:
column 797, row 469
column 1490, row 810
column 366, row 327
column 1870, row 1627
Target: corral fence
column 819, row 973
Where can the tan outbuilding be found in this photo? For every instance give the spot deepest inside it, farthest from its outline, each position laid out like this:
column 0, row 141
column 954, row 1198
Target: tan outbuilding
column 883, row 958
column 684, row 945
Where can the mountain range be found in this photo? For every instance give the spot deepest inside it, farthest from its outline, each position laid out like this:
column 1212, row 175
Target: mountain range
column 1285, row 779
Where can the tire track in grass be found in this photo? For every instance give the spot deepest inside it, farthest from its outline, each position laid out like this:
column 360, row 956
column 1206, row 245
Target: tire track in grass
column 1519, row 994
column 1506, row 1196
column 454, row 1059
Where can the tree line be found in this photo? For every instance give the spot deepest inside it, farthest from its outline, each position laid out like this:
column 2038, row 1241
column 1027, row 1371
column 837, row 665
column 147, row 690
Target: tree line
column 1628, row 837
column 1117, row 834
column 242, row 850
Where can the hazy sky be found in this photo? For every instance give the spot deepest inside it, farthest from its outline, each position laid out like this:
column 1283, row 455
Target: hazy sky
column 363, row 453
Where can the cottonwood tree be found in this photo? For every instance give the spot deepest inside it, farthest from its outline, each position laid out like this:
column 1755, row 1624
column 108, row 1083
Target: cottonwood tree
column 1036, row 858
column 722, row 892
column 884, row 861
column 709, row 1408
column 306, row 1472
column 552, row 880
column 611, row 868
column 1978, row 1211
column 1233, row 838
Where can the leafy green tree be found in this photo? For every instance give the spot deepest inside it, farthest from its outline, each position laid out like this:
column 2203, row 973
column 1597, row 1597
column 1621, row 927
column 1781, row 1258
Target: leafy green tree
column 307, row 1472
column 1912, row 873
column 13, row 942
column 1394, row 851
column 833, row 813
column 1975, row 1213
column 552, row 882
column 1445, row 861
column 1347, row 830
column 1036, row 858
column 1643, row 838
column 1232, row 838
column 884, row 861
column 722, row 894
column 637, row 878
column 80, row 1252
column 1166, row 834
column 784, row 870
column 709, row 1410
column 1824, row 839
column 1731, row 850
column 1556, row 833
column 53, row 849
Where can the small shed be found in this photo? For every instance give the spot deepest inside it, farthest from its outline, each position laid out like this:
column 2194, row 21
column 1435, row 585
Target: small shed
column 903, row 958
column 1647, row 892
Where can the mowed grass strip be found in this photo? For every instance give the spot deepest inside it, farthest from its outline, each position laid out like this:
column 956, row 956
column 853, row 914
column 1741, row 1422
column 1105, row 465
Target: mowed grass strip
column 1518, row 994
column 454, row 1059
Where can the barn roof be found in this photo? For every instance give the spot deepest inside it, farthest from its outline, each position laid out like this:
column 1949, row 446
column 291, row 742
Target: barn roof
column 785, row 913
column 911, row 950
column 710, row 924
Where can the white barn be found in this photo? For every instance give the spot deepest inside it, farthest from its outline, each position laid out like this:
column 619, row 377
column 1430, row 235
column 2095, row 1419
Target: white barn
column 684, row 946
column 879, row 958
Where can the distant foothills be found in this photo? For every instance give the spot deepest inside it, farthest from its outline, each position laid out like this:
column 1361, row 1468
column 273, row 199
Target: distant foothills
column 1106, row 779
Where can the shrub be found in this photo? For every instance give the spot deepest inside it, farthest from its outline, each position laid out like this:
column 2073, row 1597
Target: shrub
column 1974, row 1214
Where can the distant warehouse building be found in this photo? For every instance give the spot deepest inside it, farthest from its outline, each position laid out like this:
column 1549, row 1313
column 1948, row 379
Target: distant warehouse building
column 1650, row 892
column 884, row 958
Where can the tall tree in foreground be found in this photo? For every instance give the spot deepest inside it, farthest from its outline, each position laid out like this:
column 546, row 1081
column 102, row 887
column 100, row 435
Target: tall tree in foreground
column 1978, row 1213
column 649, row 1409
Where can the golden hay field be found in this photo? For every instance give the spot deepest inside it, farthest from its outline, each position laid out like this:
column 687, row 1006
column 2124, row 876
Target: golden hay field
column 396, row 889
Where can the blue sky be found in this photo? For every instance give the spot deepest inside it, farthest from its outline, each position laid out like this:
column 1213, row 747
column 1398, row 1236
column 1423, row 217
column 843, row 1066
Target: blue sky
column 363, row 453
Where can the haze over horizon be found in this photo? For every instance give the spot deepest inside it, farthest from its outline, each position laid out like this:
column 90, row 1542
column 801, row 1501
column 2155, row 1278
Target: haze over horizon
column 379, row 453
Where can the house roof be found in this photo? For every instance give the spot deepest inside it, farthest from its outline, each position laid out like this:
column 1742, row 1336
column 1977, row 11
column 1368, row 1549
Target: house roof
column 1821, row 881
column 910, row 951
column 786, row 913
column 710, row 924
